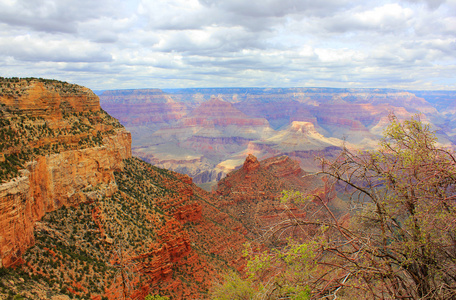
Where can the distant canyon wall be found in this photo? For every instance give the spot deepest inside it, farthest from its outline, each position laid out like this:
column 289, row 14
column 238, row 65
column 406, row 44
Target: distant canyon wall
column 198, row 131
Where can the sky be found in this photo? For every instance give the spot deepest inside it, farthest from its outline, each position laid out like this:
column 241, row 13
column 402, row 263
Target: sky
column 119, row 44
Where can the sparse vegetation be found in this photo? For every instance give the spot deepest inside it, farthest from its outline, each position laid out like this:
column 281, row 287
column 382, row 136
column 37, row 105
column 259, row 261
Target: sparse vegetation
column 26, row 135
column 78, row 250
column 156, row 297
column 17, row 86
column 399, row 241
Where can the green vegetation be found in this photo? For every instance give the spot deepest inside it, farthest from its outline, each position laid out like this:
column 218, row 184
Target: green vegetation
column 234, row 287
column 155, row 297
column 398, row 244
column 94, row 243
column 17, row 86
column 82, row 244
column 25, row 137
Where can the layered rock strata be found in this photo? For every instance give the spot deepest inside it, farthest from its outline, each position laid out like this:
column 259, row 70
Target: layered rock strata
column 46, row 98
column 52, row 173
column 255, row 120
column 193, row 241
column 150, row 225
column 142, row 107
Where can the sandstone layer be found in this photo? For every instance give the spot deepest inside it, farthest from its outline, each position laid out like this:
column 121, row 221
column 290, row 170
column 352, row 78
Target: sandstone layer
column 54, row 166
column 47, row 98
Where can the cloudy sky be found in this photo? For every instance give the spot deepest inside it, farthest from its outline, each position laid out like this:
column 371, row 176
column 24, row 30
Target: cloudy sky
column 114, row 44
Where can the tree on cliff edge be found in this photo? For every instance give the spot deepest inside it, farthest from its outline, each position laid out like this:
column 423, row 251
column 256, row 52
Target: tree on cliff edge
column 400, row 241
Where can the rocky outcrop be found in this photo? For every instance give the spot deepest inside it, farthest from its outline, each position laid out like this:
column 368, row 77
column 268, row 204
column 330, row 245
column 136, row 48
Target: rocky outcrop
column 52, row 181
column 252, row 193
column 16, row 225
column 251, row 164
column 56, row 174
column 47, row 98
column 76, row 176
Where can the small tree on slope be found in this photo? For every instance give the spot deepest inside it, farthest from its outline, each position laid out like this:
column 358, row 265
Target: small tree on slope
column 400, row 242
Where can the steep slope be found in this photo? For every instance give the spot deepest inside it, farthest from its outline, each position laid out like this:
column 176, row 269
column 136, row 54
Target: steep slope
column 159, row 234
column 58, row 148
column 252, row 193
column 80, row 218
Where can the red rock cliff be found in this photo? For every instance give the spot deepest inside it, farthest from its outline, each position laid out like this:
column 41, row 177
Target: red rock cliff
column 47, row 98
column 252, row 193
column 58, row 175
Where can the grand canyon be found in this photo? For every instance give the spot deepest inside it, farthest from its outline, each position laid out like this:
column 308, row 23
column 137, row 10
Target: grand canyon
column 207, row 133
column 156, row 192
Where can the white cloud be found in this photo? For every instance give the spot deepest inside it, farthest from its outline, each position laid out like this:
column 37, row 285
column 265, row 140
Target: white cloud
column 29, row 48
column 179, row 43
column 386, row 16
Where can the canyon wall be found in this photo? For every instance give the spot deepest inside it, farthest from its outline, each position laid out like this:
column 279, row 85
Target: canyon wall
column 47, row 98
column 52, row 174
column 237, row 121
column 70, row 189
column 142, row 106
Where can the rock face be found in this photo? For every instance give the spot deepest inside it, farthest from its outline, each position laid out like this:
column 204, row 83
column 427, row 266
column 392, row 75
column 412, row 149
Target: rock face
column 52, row 181
column 158, row 231
column 141, row 107
column 251, row 164
column 195, row 241
column 98, row 217
column 47, row 98
column 252, row 193
column 54, row 174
